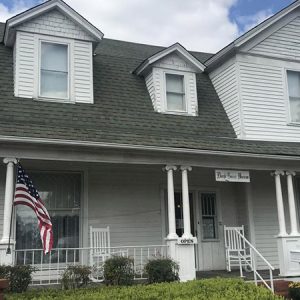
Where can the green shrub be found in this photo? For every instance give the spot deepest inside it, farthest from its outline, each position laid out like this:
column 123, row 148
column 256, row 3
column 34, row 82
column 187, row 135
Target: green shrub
column 294, row 290
column 162, row 270
column 118, row 270
column 75, row 277
column 212, row 289
column 19, row 277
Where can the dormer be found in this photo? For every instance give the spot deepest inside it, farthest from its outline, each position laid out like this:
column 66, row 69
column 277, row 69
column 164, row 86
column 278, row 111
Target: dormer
column 53, row 53
column 170, row 77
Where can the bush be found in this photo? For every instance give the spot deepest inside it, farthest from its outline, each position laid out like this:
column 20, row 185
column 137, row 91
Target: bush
column 19, row 277
column 118, row 270
column 294, row 290
column 162, row 270
column 75, row 277
column 212, row 289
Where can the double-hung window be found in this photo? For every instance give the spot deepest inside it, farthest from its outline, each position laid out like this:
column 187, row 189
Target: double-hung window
column 175, row 93
column 294, row 95
column 54, row 70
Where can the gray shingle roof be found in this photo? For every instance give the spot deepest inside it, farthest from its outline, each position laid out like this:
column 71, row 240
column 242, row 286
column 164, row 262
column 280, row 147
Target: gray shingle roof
column 122, row 111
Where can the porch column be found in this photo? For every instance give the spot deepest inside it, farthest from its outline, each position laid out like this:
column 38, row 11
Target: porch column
column 171, row 203
column 280, row 207
column 8, row 199
column 292, row 205
column 185, row 202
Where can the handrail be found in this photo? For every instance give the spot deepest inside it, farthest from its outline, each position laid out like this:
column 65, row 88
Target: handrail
column 253, row 263
column 255, row 250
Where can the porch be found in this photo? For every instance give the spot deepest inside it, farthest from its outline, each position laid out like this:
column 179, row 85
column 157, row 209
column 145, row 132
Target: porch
column 147, row 207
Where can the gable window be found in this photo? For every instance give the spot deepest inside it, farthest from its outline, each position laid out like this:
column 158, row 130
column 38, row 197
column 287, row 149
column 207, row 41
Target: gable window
column 54, row 70
column 294, row 95
column 175, row 93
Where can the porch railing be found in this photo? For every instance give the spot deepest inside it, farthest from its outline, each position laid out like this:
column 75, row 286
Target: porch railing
column 49, row 268
column 252, row 263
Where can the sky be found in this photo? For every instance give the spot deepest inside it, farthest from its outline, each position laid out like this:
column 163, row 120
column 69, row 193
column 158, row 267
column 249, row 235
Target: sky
column 199, row 25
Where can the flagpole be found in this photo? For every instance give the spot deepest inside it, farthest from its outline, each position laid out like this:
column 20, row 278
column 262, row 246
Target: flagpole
column 8, row 250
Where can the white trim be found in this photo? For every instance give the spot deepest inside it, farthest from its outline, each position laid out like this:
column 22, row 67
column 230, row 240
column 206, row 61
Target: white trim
column 32, row 140
column 85, row 209
column 176, row 47
column 49, row 5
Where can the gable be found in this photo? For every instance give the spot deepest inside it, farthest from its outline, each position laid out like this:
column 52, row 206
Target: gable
column 285, row 42
column 57, row 24
column 175, row 62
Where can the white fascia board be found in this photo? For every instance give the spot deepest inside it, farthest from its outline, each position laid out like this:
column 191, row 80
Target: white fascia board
column 176, row 47
column 47, row 6
column 252, row 33
column 57, row 142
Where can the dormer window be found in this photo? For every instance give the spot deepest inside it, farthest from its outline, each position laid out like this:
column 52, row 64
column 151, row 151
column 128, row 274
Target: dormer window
column 54, row 70
column 175, row 93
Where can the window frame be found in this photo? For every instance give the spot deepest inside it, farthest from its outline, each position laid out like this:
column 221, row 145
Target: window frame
column 215, row 217
column 287, row 96
column 186, row 96
column 59, row 41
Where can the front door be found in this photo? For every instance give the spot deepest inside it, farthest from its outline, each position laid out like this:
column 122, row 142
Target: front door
column 210, row 251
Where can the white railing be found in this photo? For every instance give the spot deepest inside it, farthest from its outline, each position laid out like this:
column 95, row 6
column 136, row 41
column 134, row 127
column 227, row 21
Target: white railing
column 252, row 263
column 50, row 267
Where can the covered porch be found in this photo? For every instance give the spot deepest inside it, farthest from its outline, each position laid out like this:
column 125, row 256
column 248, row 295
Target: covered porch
column 152, row 209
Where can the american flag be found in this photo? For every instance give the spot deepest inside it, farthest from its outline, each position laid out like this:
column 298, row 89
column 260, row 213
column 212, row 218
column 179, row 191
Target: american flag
column 26, row 194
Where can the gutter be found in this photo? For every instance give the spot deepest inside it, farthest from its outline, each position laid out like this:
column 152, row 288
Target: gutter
column 143, row 147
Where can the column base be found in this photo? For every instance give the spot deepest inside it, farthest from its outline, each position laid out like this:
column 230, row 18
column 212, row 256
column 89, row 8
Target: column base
column 186, row 260
column 289, row 255
column 6, row 258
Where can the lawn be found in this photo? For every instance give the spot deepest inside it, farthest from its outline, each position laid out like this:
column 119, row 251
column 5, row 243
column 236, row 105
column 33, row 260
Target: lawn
column 212, row 289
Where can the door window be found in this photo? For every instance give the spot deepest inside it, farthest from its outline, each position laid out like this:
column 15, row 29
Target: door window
column 209, row 216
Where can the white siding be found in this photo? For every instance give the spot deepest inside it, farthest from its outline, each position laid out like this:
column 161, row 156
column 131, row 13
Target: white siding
column 265, row 105
column 56, row 24
column 83, row 71
column 25, row 63
column 284, row 42
column 155, row 82
column 225, row 81
column 2, row 189
column 27, row 67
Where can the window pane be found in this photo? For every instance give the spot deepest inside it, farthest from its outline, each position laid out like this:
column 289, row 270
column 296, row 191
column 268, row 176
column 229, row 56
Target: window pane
column 54, row 57
column 295, row 109
column 175, row 102
column 209, row 231
column 61, row 195
column 174, row 83
column 209, row 217
column 54, row 84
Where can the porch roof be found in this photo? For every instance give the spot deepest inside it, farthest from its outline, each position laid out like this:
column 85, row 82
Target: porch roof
column 122, row 111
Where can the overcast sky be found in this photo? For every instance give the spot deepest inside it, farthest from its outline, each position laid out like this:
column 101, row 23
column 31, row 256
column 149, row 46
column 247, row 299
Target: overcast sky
column 201, row 25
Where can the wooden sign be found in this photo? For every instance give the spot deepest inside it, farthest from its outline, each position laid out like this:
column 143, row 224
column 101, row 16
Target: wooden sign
column 232, row 176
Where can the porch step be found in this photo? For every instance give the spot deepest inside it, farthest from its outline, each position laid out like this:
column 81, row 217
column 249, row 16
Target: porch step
column 281, row 287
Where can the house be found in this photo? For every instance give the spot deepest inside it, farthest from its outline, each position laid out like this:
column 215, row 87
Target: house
column 162, row 145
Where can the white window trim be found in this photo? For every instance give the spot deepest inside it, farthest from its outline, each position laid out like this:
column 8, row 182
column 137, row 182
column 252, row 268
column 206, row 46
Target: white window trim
column 39, row 39
column 186, row 92
column 287, row 96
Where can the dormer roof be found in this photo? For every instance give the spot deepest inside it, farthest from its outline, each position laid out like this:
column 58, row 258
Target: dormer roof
column 175, row 48
column 12, row 23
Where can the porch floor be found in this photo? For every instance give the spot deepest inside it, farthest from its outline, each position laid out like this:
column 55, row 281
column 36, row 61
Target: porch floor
column 235, row 273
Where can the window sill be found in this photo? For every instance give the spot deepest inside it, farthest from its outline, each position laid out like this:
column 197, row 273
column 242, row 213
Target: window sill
column 178, row 113
column 210, row 240
column 57, row 100
column 294, row 124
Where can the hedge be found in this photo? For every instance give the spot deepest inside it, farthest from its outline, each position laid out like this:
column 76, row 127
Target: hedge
column 213, row 289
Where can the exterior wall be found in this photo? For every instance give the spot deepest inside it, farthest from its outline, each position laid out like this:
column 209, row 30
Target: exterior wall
column 264, row 99
column 225, row 81
column 155, row 82
column 56, row 24
column 26, row 56
column 282, row 43
column 2, row 189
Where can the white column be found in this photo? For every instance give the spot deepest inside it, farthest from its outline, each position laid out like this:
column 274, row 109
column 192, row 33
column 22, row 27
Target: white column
column 280, row 207
column 171, row 203
column 186, row 203
column 8, row 199
column 292, row 205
